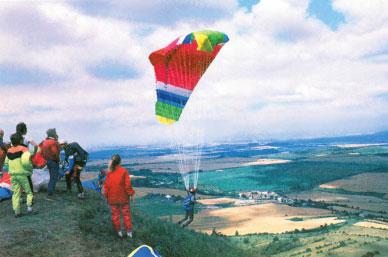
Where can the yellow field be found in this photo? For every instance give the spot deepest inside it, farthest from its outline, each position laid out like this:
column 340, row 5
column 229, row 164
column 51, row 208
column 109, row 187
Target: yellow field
column 214, row 201
column 320, row 196
column 271, row 218
column 266, row 162
column 328, row 186
column 372, row 224
column 361, row 202
column 365, row 182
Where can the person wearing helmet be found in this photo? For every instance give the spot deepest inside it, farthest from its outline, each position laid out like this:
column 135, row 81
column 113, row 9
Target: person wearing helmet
column 188, row 206
column 19, row 165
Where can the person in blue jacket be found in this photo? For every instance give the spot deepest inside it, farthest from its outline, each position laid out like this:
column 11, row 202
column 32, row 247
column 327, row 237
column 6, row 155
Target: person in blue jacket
column 76, row 157
column 188, row 205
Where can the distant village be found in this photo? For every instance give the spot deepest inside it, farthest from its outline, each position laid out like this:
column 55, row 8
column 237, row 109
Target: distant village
column 258, row 196
column 253, row 197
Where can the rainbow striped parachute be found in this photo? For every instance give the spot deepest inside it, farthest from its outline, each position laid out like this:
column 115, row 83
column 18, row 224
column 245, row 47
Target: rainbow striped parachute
column 178, row 68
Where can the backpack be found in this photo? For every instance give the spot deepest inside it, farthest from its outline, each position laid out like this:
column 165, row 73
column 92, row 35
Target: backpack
column 38, row 161
column 86, row 156
column 79, row 153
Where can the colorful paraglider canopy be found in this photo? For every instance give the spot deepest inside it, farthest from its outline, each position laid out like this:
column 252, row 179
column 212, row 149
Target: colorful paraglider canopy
column 178, row 68
column 5, row 187
column 144, row 251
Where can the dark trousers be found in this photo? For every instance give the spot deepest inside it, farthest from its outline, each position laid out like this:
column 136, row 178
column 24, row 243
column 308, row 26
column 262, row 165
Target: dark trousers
column 75, row 174
column 53, row 168
column 189, row 217
column 30, row 182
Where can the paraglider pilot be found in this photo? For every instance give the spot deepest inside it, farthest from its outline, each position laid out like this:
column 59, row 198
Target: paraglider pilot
column 188, row 205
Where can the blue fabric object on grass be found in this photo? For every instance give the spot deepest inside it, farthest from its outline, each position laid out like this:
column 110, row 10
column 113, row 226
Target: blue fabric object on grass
column 91, row 184
column 144, row 251
column 5, row 194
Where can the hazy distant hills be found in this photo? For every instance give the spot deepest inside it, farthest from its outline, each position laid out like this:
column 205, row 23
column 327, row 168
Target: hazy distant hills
column 379, row 137
column 239, row 149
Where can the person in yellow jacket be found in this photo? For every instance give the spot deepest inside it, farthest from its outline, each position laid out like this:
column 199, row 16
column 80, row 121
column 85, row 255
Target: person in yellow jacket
column 19, row 165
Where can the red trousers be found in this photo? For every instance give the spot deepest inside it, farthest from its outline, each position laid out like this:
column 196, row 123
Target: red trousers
column 125, row 210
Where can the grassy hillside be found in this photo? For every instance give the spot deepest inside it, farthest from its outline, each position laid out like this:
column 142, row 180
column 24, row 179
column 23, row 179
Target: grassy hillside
column 72, row 227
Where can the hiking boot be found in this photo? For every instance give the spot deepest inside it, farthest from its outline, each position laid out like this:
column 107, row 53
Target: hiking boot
column 18, row 215
column 129, row 234
column 120, row 234
column 31, row 211
column 81, row 195
column 50, row 198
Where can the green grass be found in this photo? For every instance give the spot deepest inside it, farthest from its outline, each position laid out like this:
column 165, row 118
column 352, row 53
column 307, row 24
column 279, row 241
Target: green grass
column 158, row 206
column 72, row 227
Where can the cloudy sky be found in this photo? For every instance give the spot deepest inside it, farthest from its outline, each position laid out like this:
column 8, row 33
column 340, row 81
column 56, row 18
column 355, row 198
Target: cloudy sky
column 292, row 68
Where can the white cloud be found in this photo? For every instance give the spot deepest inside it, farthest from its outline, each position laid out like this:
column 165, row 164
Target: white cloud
column 283, row 74
column 57, row 38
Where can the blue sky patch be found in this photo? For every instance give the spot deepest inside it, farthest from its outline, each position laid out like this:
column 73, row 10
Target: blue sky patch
column 144, row 31
column 323, row 10
column 248, row 3
column 111, row 70
column 383, row 97
column 11, row 75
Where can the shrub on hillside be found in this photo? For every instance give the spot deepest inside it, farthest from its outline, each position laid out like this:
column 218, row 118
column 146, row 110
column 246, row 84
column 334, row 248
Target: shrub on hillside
column 281, row 245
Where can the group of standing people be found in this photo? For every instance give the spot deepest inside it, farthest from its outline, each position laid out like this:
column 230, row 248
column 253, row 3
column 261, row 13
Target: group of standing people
column 22, row 155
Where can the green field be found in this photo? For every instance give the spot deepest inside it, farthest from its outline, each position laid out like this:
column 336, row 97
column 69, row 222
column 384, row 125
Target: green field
column 304, row 173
